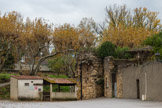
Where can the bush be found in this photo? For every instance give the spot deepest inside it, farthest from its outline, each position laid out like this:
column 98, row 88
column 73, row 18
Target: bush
column 5, row 77
column 106, row 49
column 121, row 53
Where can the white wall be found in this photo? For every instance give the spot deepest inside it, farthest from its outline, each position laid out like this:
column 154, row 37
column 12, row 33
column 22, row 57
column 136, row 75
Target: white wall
column 13, row 88
column 31, row 91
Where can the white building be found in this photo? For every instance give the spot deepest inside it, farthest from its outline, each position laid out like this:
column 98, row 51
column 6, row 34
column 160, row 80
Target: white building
column 26, row 87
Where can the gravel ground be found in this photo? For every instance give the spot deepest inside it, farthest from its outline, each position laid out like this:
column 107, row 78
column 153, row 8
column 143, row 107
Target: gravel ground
column 94, row 103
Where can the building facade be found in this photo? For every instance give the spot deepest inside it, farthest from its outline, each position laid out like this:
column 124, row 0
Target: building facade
column 26, row 87
column 131, row 80
column 137, row 78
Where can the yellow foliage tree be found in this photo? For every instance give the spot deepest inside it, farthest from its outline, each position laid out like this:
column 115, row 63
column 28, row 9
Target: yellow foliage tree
column 36, row 41
column 11, row 28
column 66, row 37
column 87, row 37
column 130, row 29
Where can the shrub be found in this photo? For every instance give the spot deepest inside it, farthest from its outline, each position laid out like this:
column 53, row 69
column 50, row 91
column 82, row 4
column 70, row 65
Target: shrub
column 106, row 49
column 4, row 77
column 121, row 53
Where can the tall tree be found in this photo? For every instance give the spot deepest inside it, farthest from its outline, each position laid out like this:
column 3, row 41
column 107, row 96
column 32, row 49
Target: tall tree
column 88, row 34
column 130, row 28
column 66, row 37
column 11, row 28
column 36, row 42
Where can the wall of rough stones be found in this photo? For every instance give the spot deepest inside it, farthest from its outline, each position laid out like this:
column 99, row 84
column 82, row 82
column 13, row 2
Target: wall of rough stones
column 127, row 73
column 108, row 66
column 119, row 78
column 90, row 69
column 109, row 69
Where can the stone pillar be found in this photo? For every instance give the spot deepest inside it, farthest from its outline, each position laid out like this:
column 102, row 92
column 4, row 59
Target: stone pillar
column 90, row 68
column 119, row 77
column 50, row 92
column 78, row 88
column 108, row 66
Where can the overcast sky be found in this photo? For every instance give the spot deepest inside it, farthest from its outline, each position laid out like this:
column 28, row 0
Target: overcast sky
column 72, row 11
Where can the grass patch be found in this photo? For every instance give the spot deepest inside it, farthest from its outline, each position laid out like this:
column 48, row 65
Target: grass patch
column 46, row 88
column 5, row 77
column 65, row 88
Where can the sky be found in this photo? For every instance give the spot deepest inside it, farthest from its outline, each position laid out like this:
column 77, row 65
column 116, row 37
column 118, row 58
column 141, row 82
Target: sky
column 72, row 11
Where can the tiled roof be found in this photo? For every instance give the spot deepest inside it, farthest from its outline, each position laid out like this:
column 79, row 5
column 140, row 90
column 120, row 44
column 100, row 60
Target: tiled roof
column 27, row 77
column 60, row 80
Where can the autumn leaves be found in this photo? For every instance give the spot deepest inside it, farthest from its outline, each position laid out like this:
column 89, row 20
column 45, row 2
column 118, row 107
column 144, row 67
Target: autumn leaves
column 33, row 38
column 130, row 28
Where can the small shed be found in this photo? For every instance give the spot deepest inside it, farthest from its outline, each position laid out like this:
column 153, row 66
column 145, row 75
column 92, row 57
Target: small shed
column 60, row 95
column 26, row 87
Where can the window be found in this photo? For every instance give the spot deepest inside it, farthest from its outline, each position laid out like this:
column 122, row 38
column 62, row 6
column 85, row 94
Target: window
column 39, row 89
column 26, row 84
column 31, row 81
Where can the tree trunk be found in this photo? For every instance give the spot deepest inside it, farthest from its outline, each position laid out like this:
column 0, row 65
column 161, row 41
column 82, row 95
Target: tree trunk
column 3, row 62
column 32, row 68
column 1, row 67
column 35, row 70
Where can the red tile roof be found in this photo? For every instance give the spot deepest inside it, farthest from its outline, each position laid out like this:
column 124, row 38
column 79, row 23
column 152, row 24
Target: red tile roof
column 60, row 80
column 27, row 77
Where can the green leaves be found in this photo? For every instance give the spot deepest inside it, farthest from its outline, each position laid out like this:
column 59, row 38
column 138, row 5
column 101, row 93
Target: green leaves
column 109, row 49
column 156, row 42
column 106, row 49
column 121, row 53
column 56, row 64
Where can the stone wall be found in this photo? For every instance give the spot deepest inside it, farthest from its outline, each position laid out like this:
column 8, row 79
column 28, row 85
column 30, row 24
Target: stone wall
column 133, row 79
column 90, row 70
column 108, row 66
column 112, row 66
column 119, row 77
